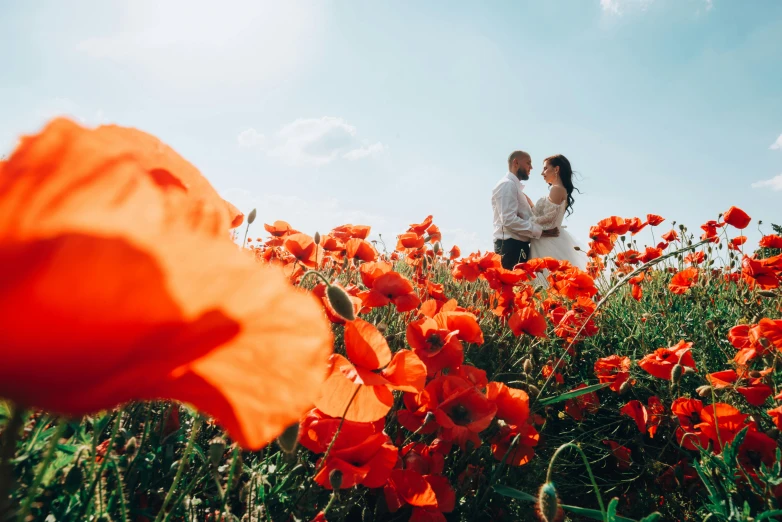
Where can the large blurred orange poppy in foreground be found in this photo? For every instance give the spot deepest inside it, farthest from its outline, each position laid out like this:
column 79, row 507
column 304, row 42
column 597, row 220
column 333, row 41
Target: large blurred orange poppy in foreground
column 120, row 283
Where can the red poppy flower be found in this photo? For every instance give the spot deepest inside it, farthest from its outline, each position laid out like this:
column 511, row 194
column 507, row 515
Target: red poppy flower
column 278, row 228
column 529, row 321
column 621, row 453
column 736, row 242
column 454, row 253
column 771, row 330
column 635, row 225
column 436, row 345
column 695, row 258
column 577, row 406
column 756, row 272
column 720, row 423
column 420, row 228
column 654, row 219
column 671, row 236
column 776, row 416
column 523, row 452
column 360, row 249
column 409, row 240
column 361, row 458
column 736, row 217
column 387, row 287
column 636, row 411
column 316, row 429
column 660, row 363
column 752, row 388
column 512, row 404
column 303, row 248
column 683, row 280
column 463, row 411
column 656, row 414
column 166, row 306
column 345, row 232
column 614, row 225
column 710, row 230
column 356, row 378
column 688, row 412
column 575, row 283
column 613, row 369
column 650, row 254
column 757, row 449
column 771, row 241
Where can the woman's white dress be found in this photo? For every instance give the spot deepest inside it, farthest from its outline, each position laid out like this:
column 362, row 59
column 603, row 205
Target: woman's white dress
column 550, row 215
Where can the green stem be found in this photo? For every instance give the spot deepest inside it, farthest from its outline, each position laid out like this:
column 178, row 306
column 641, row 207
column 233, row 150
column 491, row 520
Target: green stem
column 28, row 501
column 7, row 452
column 588, row 467
column 310, row 272
column 180, row 468
column 104, row 463
column 230, row 478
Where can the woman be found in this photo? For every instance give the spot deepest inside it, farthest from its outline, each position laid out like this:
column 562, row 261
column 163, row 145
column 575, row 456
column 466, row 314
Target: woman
column 549, row 212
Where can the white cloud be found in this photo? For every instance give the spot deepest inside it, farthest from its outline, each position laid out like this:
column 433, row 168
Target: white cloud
column 312, row 142
column 777, row 145
column 774, row 183
column 363, row 152
column 192, row 45
column 251, row 138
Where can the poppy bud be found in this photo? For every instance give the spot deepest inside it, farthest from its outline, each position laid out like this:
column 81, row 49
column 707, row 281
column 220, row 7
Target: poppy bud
column 131, row 446
column 766, row 293
column 755, row 374
column 316, row 238
column 688, row 370
column 424, row 262
column 340, row 302
column 251, row 217
column 527, row 366
column 710, row 325
column 548, row 502
column 762, row 341
column 335, row 479
column 216, row 450
column 676, row 373
column 624, row 387
column 704, row 390
column 289, row 438
column 533, row 389
column 436, row 248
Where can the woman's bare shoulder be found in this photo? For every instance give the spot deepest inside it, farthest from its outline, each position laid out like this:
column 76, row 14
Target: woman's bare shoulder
column 557, row 194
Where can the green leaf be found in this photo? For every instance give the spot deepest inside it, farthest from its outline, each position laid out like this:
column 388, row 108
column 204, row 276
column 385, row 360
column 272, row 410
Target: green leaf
column 514, row 493
column 654, row 517
column 611, row 511
column 573, row 393
column 769, row 514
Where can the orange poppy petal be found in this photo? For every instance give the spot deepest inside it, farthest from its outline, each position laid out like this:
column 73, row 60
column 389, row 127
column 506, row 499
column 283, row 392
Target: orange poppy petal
column 365, row 345
column 406, row 372
column 148, row 320
column 369, row 404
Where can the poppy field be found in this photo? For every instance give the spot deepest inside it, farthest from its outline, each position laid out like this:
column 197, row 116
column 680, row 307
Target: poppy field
column 165, row 358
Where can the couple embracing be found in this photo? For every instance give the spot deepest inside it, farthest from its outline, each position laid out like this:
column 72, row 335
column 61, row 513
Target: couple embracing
column 523, row 230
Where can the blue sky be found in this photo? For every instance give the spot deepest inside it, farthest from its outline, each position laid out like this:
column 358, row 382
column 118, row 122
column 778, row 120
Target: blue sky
column 324, row 113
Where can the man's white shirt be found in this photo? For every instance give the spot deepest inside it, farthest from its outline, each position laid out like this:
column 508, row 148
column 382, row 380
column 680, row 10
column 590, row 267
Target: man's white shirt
column 512, row 214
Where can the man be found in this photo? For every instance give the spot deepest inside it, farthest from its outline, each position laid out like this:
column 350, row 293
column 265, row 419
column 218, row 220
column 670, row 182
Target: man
column 514, row 224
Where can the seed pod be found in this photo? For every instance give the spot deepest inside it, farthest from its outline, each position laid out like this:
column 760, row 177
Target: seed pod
column 436, row 248
column 316, row 238
column 251, row 217
column 340, row 302
column 676, row 373
column 704, row 390
column 527, row 366
column 335, row 479
column 289, row 438
column 624, row 387
column 216, row 450
column 548, row 502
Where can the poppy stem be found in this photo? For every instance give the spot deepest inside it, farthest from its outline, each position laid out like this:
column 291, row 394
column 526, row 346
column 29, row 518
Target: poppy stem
column 309, row 272
column 47, row 459
column 588, row 467
column 7, row 451
column 180, row 468
column 96, row 477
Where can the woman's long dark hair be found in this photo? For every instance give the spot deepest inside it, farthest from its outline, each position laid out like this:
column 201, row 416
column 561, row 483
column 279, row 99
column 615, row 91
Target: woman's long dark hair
column 566, row 175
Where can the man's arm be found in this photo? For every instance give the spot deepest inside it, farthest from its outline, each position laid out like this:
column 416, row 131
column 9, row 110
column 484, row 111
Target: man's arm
column 508, row 203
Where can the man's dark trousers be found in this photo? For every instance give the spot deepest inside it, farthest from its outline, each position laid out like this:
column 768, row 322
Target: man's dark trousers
column 512, row 251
